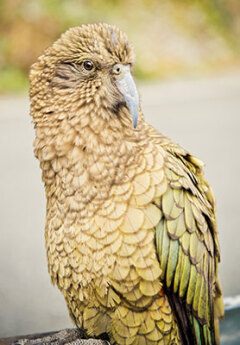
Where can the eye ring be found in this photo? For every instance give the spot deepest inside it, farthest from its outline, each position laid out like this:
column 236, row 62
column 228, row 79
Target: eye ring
column 117, row 69
column 88, row 65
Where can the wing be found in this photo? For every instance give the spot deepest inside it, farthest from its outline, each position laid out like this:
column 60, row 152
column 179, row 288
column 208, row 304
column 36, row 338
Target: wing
column 188, row 250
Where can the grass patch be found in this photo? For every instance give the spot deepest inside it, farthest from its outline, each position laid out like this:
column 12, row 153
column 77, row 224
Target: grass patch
column 13, row 79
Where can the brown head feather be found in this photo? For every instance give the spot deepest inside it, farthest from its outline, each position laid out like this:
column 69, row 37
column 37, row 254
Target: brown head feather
column 59, row 80
column 76, row 111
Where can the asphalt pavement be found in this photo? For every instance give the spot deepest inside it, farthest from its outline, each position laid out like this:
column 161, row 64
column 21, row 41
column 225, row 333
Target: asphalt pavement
column 202, row 114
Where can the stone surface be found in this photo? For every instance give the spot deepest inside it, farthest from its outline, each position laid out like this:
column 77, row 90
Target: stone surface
column 70, row 336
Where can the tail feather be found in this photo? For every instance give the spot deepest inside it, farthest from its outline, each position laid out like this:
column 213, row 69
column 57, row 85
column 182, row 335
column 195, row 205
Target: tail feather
column 192, row 330
column 197, row 331
column 203, row 335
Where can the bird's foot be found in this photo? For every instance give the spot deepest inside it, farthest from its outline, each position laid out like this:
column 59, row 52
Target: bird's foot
column 63, row 337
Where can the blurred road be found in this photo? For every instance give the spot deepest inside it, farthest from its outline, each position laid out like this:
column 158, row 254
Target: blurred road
column 203, row 115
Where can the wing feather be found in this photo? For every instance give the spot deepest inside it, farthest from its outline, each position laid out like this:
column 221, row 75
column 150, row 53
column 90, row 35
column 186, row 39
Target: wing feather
column 187, row 245
column 172, row 261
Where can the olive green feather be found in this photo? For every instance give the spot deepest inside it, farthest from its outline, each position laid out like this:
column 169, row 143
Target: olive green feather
column 172, row 261
column 186, row 245
column 185, row 271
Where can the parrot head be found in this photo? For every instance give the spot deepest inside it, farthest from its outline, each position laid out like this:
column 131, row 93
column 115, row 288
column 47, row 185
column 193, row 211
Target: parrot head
column 88, row 67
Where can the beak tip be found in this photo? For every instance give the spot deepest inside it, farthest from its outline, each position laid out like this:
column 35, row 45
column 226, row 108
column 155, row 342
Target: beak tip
column 135, row 121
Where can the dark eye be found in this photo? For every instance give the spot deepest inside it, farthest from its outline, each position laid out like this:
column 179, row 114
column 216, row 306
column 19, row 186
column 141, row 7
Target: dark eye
column 88, row 65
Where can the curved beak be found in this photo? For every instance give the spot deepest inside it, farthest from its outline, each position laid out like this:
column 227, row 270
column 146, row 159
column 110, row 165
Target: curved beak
column 127, row 87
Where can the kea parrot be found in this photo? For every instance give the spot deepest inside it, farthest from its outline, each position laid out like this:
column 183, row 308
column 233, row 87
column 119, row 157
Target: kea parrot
column 131, row 235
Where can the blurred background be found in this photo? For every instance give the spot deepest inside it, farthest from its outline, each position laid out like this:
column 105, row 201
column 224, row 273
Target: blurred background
column 188, row 75
column 171, row 37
